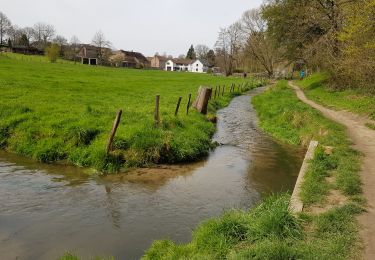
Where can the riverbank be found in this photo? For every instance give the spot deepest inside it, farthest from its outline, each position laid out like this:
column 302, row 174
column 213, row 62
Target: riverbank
column 331, row 191
column 363, row 139
column 129, row 211
column 64, row 113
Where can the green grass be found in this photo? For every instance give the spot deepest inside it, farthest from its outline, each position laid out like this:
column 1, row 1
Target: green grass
column 285, row 117
column 64, row 112
column 316, row 87
column 268, row 231
column 70, row 256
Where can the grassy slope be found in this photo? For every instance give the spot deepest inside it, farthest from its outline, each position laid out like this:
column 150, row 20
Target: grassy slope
column 355, row 100
column 282, row 115
column 54, row 112
column 269, row 231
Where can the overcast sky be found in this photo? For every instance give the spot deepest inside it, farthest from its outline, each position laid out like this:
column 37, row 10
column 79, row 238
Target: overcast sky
column 147, row 26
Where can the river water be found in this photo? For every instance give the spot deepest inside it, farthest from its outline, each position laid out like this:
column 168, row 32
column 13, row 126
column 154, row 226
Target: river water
column 46, row 210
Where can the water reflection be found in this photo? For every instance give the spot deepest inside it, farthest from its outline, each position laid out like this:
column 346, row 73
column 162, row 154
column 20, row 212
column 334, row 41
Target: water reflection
column 48, row 209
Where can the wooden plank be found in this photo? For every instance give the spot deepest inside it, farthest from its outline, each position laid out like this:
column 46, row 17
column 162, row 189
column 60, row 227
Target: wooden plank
column 296, row 204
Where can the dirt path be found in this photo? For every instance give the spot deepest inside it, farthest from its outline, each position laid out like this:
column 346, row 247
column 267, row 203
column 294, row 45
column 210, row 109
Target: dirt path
column 363, row 140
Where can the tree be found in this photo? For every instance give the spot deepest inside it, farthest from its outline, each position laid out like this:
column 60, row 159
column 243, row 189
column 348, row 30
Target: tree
column 307, row 30
column 211, row 58
column 191, row 53
column 222, row 50
column 229, row 44
column 28, row 32
column 60, row 40
column 258, row 43
column 43, row 33
column 73, row 49
column 24, row 41
column 356, row 66
column 201, row 51
column 52, row 52
column 5, row 25
column 74, row 42
column 14, row 34
column 101, row 43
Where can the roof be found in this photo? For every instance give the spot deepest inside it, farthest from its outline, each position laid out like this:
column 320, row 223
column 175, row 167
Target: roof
column 161, row 58
column 88, row 51
column 182, row 61
column 139, row 56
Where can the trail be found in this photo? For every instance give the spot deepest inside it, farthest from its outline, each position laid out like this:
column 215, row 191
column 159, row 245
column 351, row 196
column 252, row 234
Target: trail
column 363, row 140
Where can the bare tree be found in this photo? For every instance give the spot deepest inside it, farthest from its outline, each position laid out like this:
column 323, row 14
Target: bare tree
column 14, row 33
column 74, row 48
column 74, row 42
column 229, row 44
column 28, row 32
column 201, row 51
column 43, row 33
column 48, row 33
column 101, row 43
column 60, row 40
column 5, row 25
column 222, row 50
column 259, row 45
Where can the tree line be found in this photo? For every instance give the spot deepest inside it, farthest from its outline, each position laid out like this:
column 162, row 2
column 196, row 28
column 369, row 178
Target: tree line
column 337, row 36
column 43, row 36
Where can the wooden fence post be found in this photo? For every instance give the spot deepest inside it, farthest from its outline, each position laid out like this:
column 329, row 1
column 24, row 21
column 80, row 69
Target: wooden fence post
column 215, row 92
column 178, row 106
column 156, row 113
column 201, row 101
column 113, row 132
column 188, row 105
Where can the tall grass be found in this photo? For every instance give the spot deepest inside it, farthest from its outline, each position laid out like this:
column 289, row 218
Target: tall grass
column 64, row 112
column 268, row 231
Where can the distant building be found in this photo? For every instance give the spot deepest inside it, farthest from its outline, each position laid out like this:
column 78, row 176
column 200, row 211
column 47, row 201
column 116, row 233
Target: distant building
column 158, row 62
column 88, row 54
column 185, row 65
column 129, row 59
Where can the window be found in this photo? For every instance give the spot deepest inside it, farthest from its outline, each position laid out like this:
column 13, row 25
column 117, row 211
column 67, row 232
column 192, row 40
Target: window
column 197, row 65
column 196, row 69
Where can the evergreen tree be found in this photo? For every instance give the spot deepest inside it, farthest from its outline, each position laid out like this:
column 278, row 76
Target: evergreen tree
column 191, row 53
column 211, row 58
column 24, row 41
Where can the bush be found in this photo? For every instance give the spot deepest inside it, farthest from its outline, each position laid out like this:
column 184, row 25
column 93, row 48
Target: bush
column 52, row 52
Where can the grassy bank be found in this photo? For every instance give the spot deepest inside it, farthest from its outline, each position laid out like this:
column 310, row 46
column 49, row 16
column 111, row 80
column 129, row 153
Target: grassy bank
column 64, row 112
column 316, row 87
column 270, row 231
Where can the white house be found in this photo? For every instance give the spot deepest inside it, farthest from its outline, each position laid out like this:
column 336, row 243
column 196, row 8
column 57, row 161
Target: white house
column 185, row 65
column 198, row 67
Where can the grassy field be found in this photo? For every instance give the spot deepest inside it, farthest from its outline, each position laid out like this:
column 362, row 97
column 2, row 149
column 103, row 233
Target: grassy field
column 270, row 231
column 316, row 87
column 65, row 111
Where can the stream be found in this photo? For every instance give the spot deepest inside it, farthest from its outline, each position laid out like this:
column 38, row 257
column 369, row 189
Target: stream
column 47, row 210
